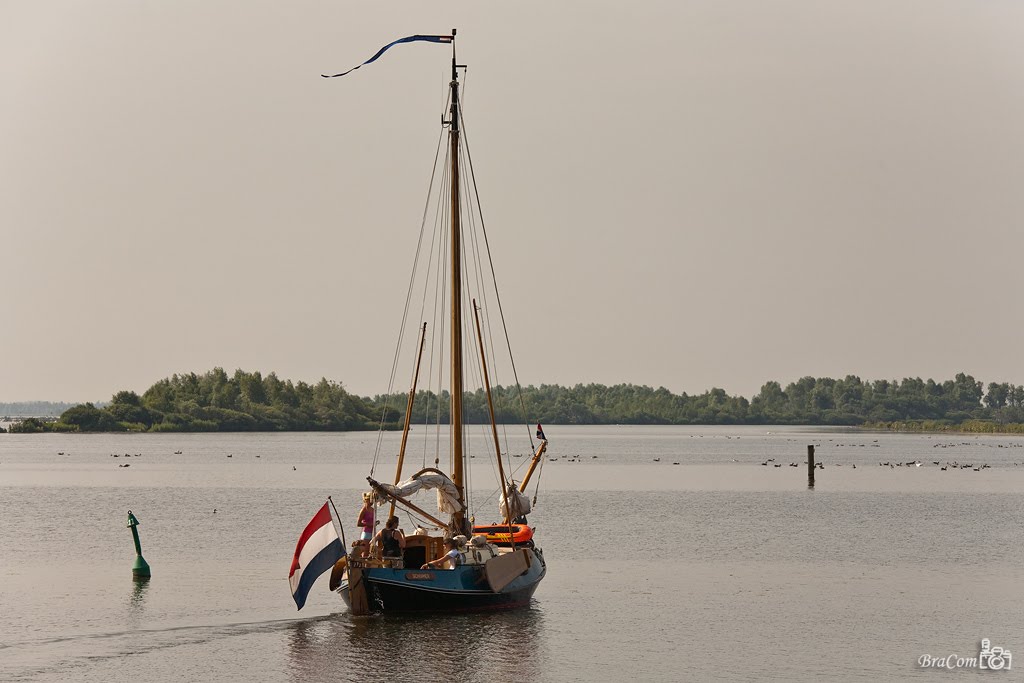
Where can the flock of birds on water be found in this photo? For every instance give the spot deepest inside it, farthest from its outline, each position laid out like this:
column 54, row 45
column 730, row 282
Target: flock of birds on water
column 576, row 458
column 913, row 463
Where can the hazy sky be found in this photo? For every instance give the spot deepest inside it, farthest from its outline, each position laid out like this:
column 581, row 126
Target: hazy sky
column 686, row 194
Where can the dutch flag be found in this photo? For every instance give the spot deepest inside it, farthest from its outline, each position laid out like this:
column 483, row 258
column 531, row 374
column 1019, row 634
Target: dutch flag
column 317, row 550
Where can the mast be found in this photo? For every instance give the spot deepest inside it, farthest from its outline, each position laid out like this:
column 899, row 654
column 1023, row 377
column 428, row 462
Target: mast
column 456, row 279
column 408, row 414
column 533, row 465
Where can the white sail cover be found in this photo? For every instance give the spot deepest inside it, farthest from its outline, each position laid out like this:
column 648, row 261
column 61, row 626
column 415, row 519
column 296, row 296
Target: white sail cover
column 447, row 494
column 519, row 502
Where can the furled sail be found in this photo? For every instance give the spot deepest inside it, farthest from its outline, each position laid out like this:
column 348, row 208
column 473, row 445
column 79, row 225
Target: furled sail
column 518, row 501
column 447, row 493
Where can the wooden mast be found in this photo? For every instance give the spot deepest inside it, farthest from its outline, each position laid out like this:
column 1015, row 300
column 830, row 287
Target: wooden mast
column 533, row 465
column 408, row 415
column 456, row 299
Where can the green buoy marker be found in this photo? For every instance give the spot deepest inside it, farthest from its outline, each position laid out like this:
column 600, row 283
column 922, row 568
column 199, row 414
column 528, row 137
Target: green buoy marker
column 140, row 570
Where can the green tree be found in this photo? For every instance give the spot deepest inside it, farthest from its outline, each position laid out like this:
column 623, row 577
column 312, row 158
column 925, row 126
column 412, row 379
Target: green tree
column 997, row 395
column 126, row 406
column 28, row 426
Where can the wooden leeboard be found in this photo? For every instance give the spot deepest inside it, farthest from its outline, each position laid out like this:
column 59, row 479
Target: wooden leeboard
column 357, row 592
column 504, row 569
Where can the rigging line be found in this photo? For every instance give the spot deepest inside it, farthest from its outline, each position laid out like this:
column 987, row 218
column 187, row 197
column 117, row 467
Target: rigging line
column 481, row 426
column 466, row 238
column 476, row 368
column 436, row 342
column 463, row 89
column 420, row 521
column 477, row 261
column 485, row 437
column 496, row 493
column 431, row 263
column 491, row 497
column 471, row 213
column 441, row 287
column 408, row 299
column 536, row 487
column 487, row 341
column 472, row 234
column 467, row 348
column 423, row 305
column 497, row 391
column 432, row 402
column 469, row 236
column 478, row 276
column 435, row 406
column 433, row 240
column 497, row 296
column 436, row 240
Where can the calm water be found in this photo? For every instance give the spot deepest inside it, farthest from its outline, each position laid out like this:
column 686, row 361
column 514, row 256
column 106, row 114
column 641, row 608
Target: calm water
column 716, row 568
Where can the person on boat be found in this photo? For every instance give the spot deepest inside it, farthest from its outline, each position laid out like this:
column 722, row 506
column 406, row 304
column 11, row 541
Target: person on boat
column 453, row 557
column 391, row 540
column 367, row 520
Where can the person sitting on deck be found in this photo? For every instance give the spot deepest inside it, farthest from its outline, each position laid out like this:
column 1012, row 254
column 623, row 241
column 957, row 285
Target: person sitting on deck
column 453, row 556
column 391, row 540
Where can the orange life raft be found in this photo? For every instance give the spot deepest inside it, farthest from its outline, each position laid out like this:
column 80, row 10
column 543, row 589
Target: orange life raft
column 498, row 533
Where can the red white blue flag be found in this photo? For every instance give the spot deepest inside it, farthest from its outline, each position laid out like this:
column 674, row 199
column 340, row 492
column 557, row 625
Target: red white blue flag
column 409, row 39
column 318, row 549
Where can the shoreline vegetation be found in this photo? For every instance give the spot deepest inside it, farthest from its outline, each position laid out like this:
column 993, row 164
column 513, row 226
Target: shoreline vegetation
column 930, row 426
column 250, row 402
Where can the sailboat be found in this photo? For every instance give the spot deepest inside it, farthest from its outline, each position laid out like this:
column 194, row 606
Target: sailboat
column 490, row 566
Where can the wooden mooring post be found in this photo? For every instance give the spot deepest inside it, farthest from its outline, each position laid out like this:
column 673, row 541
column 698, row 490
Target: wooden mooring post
column 810, row 466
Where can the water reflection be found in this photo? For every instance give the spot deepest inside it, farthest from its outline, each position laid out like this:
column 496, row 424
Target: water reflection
column 468, row 647
column 137, row 601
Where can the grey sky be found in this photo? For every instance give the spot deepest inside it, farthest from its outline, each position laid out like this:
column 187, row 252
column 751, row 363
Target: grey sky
column 686, row 194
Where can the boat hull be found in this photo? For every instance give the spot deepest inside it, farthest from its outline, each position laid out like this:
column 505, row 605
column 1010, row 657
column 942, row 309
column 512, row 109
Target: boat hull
column 463, row 589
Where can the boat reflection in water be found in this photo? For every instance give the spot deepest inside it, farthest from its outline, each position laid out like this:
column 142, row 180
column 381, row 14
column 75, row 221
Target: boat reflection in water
column 447, row 647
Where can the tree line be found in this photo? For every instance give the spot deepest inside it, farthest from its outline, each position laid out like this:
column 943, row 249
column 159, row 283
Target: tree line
column 35, row 408
column 248, row 401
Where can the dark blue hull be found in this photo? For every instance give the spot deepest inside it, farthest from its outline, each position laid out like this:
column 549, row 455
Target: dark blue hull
column 462, row 589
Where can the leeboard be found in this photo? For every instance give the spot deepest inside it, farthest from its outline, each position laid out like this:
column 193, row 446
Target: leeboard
column 504, row 569
column 357, row 592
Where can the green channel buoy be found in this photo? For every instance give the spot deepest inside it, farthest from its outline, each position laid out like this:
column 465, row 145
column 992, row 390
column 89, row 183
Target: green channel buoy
column 140, row 570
